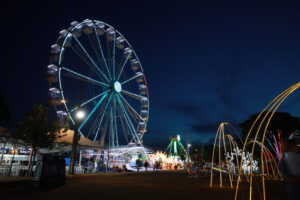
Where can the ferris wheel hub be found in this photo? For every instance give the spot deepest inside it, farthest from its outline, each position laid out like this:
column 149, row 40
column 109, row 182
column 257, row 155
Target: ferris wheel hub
column 117, row 86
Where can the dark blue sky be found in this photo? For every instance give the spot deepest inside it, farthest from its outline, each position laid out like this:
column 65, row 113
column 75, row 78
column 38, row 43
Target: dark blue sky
column 205, row 62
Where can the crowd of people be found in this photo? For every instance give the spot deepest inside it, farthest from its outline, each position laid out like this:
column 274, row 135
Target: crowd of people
column 199, row 169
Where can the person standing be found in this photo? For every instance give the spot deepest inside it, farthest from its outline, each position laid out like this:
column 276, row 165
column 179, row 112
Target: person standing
column 290, row 169
column 146, row 165
column 138, row 164
column 155, row 165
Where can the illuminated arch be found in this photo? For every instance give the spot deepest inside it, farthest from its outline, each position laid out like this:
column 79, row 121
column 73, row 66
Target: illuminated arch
column 223, row 140
column 265, row 116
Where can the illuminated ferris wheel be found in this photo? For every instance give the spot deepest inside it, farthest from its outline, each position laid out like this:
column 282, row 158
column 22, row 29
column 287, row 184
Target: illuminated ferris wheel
column 94, row 68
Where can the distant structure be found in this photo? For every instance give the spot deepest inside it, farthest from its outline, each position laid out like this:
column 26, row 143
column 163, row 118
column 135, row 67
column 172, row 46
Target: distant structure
column 175, row 147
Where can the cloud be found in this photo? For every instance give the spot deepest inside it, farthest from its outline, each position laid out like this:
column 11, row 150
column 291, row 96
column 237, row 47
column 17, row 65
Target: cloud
column 207, row 139
column 192, row 110
column 204, row 128
column 208, row 128
column 290, row 103
column 157, row 139
column 226, row 90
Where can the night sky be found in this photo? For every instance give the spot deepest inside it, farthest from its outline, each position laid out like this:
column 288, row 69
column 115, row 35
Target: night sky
column 205, row 62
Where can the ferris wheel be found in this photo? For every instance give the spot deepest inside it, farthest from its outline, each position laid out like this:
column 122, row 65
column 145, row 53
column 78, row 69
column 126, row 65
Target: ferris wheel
column 94, row 68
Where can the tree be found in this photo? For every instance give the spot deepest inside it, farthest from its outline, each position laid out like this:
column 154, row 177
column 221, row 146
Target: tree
column 5, row 115
column 201, row 152
column 281, row 121
column 37, row 131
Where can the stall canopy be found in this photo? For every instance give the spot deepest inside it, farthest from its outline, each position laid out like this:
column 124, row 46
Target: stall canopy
column 67, row 137
column 4, row 132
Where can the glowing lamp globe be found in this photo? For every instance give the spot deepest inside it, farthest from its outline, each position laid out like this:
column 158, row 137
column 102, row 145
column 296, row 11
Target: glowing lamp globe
column 117, row 86
column 80, row 114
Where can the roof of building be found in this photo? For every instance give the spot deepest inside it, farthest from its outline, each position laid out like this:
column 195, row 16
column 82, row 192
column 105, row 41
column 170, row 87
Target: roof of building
column 83, row 141
column 4, row 132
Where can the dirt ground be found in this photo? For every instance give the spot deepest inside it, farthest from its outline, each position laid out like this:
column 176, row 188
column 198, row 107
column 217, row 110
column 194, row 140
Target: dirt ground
column 144, row 185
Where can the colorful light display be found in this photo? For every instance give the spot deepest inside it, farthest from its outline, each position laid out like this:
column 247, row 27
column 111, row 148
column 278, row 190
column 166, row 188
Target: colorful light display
column 165, row 162
column 257, row 134
column 175, row 148
column 226, row 154
column 229, row 160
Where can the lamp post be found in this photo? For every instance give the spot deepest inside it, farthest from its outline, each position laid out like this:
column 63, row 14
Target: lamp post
column 188, row 155
column 188, row 149
column 79, row 116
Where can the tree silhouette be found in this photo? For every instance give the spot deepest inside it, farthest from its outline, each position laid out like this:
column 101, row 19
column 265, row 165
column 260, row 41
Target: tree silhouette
column 201, row 152
column 5, row 115
column 37, row 131
column 281, row 121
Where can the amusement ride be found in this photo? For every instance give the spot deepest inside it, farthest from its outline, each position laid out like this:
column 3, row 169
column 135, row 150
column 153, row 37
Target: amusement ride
column 94, row 68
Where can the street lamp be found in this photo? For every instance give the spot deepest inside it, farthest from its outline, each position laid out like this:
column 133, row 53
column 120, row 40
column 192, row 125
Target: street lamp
column 79, row 116
column 188, row 149
column 188, row 155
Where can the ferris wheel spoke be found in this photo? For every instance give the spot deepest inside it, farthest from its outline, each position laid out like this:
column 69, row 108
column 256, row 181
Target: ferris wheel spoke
column 101, row 62
column 113, row 58
column 111, row 52
column 103, row 113
column 125, row 122
column 102, row 139
column 92, row 112
column 113, row 130
column 132, row 114
column 93, row 128
column 126, row 102
column 135, row 96
column 123, row 65
column 86, row 60
column 109, row 56
column 115, row 124
column 103, row 128
column 81, row 54
column 81, row 77
column 132, row 78
column 112, row 134
column 134, row 117
column 88, row 101
column 125, row 128
column 94, row 67
column 129, row 125
column 102, row 54
column 129, row 122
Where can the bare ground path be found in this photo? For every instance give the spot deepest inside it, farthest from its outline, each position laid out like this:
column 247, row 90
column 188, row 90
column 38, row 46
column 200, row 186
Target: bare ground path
column 145, row 185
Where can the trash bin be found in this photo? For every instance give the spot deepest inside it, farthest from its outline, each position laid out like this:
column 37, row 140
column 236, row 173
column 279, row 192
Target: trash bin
column 50, row 170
